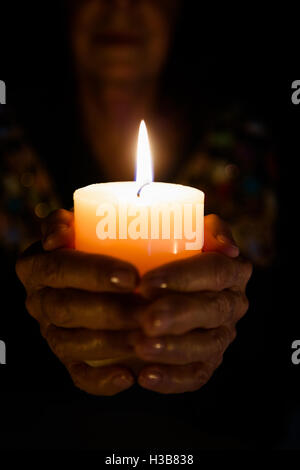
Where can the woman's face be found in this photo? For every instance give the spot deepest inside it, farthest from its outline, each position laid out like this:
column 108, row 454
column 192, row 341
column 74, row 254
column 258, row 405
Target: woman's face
column 121, row 39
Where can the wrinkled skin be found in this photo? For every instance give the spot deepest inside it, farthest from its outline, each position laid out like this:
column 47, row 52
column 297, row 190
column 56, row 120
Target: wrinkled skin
column 181, row 323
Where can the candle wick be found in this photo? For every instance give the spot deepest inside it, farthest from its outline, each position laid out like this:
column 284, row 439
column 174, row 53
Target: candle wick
column 139, row 191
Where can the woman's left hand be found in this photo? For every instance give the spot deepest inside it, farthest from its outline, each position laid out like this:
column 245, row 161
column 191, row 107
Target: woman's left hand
column 195, row 304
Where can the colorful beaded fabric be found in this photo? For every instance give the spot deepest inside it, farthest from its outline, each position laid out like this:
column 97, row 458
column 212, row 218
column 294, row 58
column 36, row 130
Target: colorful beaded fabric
column 234, row 164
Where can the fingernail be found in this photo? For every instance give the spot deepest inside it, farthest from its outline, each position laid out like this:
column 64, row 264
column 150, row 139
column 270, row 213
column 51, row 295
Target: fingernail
column 151, row 347
column 122, row 380
column 230, row 247
column 153, row 377
column 124, row 278
column 159, row 321
column 157, row 281
column 224, row 239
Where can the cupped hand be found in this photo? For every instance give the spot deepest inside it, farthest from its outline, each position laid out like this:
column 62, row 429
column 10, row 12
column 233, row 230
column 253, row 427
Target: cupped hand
column 84, row 305
column 87, row 309
column 191, row 318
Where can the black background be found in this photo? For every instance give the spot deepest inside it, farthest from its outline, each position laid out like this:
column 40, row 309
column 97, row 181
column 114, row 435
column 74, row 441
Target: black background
column 247, row 55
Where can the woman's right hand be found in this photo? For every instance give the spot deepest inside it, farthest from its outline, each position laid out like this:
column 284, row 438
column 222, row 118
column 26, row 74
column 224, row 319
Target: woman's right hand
column 84, row 304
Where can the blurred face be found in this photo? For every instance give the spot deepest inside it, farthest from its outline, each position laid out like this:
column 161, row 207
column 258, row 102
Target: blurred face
column 121, row 39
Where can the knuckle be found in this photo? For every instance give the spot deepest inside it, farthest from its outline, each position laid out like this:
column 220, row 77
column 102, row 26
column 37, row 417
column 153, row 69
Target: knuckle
column 36, row 265
column 171, row 303
column 58, row 307
column 246, row 270
column 220, row 272
column 62, row 316
column 220, row 343
column 78, row 378
column 201, row 374
column 237, row 273
column 57, row 317
column 90, row 383
column 222, row 306
column 215, row 361
column 43, row 329
column 54, row 342
column 242, row 305
column 19, row 267
column 219, row 361
column 77, row 382
column 232, row 272
column 31, row 268
column 27, row 263
column 222, row 338
column 233, row 334
column 30, row 304
column 25, row 267
column 53, row 268
column 245, row 304
column 43, row 300
column 55, row 216
column 33, row 305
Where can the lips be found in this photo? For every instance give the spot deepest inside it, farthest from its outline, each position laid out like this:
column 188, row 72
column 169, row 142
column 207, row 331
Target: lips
column 117, row 39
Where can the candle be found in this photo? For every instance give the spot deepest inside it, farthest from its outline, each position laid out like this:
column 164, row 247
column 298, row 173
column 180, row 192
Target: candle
column 143, row 222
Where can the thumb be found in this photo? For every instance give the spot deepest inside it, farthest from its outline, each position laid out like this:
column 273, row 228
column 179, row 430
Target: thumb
column 218, row 237
column 58, row 230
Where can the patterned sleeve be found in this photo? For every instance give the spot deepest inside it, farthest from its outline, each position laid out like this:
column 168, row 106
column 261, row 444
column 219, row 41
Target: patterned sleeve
column 235, row 165
column 26, row 191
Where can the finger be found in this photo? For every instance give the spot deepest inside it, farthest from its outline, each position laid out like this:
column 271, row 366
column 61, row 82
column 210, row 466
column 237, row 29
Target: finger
column 203, row 272
column 87, row 345
column 75, row 269
column 218, row 236
column 176, row 379
column 195, row 346
column 176, row 314
column 58, row 230
column 62, row 236
column 72, row 308
column 59, row 216
column 107, row 381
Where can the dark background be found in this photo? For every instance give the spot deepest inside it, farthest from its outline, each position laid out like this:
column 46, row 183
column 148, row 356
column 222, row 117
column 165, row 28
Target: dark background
column 252, row 404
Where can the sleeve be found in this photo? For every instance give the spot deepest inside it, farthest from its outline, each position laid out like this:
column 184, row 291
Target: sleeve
column 26, row 192
column 236, row 166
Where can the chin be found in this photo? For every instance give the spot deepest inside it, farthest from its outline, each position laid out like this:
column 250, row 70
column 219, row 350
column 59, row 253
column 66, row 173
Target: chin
column 118, row 73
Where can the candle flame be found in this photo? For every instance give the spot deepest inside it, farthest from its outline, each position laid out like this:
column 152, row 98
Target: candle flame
column 144, row 171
